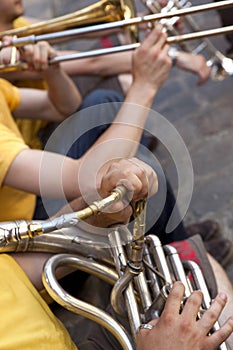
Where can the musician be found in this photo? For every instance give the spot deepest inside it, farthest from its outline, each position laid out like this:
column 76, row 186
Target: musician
column 7, row 7
column 33, row 324
column 48, row 105
column 27, row 322
column 20, row 170
column 105, row 65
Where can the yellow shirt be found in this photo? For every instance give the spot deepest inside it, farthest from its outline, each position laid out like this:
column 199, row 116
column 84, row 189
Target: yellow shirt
column 14, row 204
column 30, row 128
column 15, row 135
column 27, row 323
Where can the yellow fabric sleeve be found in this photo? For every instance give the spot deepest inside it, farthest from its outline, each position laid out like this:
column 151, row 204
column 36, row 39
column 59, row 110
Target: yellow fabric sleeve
column 29, row 128
column 14, row 204
column 11, row 146
column 11, row 140
column 10, row 93
column 20, row 22
column 27, row 323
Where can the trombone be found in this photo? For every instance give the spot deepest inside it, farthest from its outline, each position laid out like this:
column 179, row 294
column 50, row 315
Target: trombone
column 130, row 22
column 215, row 59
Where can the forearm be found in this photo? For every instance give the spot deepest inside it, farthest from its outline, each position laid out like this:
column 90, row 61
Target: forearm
column 103, row 65
column 14, row 77
column 195, row 64
column 62, row 91
column 151, row 66
column 44, row 173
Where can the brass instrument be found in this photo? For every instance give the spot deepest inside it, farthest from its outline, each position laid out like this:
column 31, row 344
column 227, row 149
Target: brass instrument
column 221, row 66
column 103, row 11
column 128, row 21
column 139, row 268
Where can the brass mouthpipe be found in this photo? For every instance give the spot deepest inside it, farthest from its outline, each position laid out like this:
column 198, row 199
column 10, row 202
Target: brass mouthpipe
column 21, row 230
column 72, row 219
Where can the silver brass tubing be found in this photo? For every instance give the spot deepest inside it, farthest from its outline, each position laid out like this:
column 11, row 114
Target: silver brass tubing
column 68, row 34
column 170, row 40
column 80, row 307
column 198, row 35
column 13, row 232
column 152, row 277
column 200, row 284
column 158, row 255
column 21, row 230
column 129, row 47
column 177, row 267
column 94, row 53
column 117, row 292
column 141, row 285
column 120, row 302
column 198, row 280
column 72, row 219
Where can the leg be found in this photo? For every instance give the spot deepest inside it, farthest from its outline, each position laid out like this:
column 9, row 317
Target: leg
column 97, row 121
column 224, row 285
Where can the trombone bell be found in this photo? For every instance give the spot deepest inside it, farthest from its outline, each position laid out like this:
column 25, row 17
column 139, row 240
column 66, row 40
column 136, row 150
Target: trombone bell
column 103, row 11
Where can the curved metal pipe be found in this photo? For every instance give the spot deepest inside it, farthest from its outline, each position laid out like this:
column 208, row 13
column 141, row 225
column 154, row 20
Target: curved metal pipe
column 80, row 307
column 199, row 283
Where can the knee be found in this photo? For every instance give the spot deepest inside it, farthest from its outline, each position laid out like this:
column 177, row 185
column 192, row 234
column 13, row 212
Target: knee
column 102, row 96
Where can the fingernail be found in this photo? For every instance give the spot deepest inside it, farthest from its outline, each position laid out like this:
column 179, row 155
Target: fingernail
column 223, row 296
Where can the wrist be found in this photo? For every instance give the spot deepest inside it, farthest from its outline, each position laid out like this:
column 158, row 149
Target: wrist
column 52, row 69
column 142, row 93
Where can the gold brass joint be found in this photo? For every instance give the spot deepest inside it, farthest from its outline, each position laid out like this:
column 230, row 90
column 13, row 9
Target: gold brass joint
column 34, row 230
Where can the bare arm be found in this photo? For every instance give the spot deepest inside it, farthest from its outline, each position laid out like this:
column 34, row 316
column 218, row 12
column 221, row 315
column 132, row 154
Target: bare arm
column 36, row 104
column 139, row 178
column 59, row 173
column 151, row 66
column 104, row 65
column 195, row 64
